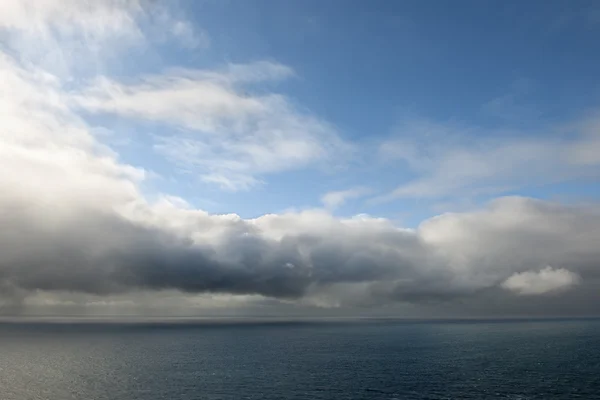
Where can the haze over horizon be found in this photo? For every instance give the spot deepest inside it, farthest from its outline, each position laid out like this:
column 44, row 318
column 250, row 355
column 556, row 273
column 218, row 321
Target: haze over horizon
column 202, row 158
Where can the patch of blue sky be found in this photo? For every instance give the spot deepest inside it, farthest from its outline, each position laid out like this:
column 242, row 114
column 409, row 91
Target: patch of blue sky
column 504, row 70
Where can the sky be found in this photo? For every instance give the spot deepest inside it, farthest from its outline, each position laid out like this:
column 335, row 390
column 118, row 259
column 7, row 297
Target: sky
column 409, row 159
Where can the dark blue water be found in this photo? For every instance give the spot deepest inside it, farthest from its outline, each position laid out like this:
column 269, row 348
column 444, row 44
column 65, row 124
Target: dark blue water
column 300, row 360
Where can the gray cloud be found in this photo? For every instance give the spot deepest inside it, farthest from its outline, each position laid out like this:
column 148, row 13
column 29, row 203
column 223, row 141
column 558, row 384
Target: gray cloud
column 307, row 257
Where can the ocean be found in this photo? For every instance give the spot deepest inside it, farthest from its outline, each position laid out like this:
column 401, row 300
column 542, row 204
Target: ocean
column 246, row 359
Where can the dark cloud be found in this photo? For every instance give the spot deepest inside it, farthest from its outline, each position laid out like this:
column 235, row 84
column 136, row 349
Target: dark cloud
column 100, row 253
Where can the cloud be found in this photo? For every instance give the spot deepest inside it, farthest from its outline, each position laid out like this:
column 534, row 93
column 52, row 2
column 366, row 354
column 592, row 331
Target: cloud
column 450, row 159
column 335, row 199
column 229, row 135
column 77, row 227
column 69, row 37
column 99, row 18
column 75, row 221
column 540, row 282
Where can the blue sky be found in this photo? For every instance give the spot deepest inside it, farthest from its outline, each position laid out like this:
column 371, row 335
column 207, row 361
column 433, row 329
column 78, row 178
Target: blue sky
column 374, row 72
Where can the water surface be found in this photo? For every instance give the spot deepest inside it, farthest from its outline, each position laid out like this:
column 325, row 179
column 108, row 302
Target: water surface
column 373, row 359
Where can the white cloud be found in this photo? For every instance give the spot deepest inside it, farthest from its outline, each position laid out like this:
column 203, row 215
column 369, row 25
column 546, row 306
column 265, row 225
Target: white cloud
column 98, row 18
column 69, row 37
column 540, row 282
column 230, row 136
column 451, row 160
column 335, row 199
column 233, row 137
